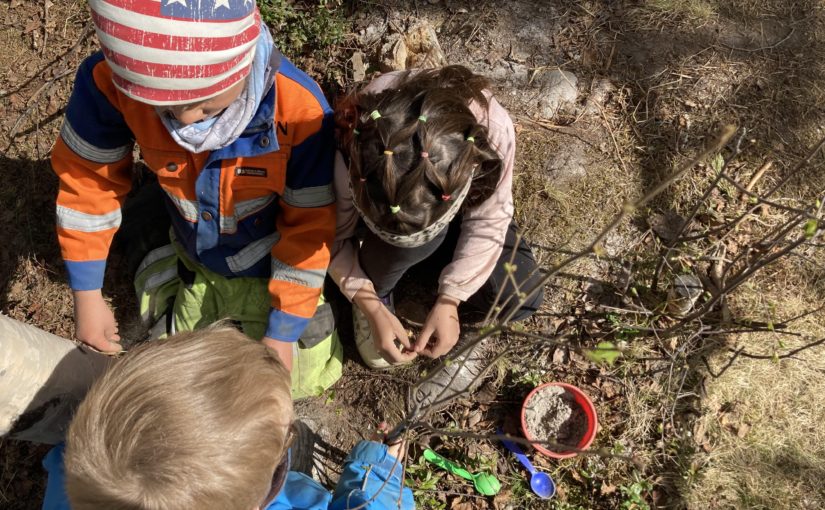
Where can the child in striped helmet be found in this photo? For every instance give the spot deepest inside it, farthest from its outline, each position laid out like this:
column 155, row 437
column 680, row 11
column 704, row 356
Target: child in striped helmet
column 241, row 143
column 427, row 167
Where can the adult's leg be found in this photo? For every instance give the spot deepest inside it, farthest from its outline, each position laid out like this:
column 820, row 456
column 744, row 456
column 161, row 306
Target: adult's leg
column 385, row 264
column 525, row 273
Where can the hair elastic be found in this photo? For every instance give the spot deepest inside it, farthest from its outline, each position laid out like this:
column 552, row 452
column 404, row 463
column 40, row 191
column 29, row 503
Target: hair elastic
column 422, row 118
column 425, row 155
column 395, row 209
column 388, row 152
column 375, row 115
column 446, row 197
column 471, row 139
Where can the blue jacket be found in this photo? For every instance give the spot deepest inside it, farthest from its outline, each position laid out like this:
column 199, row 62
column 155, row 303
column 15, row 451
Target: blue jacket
column 367, row 468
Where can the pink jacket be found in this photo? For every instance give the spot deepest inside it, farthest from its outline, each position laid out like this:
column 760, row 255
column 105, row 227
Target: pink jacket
column 483, row 227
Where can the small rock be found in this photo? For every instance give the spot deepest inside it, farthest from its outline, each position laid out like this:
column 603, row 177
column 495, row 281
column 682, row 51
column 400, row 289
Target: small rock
column 666, row 225
column 394, row 54
column 510, row 72
column 417, row 48
column 559, row 92
column 684, row 292
column 423, row 48
column 359, row 68
column 372, row 34
column 567, row 166
column 561, row 356
column 598, row 96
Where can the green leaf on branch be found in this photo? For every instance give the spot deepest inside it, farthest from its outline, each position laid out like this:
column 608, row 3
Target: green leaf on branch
column 810, row 228
column 605, row 352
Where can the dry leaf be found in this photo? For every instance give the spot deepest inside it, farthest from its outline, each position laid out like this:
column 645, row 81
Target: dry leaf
column 457, row 504
column 17, row 102
column 474, row 418
column 31, row 25
column 607, row 489
column 503, row 500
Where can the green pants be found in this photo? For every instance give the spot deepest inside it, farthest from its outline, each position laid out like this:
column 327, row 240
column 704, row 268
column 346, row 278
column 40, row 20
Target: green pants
column 207, row 297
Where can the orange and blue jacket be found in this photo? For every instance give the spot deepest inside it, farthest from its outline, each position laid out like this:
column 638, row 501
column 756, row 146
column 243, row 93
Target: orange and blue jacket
column 262, row 206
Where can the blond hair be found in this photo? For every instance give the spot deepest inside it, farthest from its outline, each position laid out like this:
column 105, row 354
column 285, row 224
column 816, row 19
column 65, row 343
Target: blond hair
column 196, row 421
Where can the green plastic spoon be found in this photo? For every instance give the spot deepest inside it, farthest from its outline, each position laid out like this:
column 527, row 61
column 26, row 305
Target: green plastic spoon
column 485, row 483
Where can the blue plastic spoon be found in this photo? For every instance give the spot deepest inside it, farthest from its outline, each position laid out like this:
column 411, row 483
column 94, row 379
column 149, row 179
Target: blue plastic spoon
column 541, row 483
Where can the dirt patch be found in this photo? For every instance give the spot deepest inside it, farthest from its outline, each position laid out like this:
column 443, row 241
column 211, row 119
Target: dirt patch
column 553, row 414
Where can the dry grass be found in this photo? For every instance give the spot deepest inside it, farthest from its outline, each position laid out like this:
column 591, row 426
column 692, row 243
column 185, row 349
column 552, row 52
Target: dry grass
column 764, row 447
column 701, row 10
column 768, row 445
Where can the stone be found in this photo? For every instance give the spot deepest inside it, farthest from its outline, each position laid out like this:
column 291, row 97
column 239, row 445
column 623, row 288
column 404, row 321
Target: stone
column 359, row 68
column 417, row 48
column 510, row 72
column 567, row 165
column 559, row 91
column 598, row 96
column 394, row 54
column 424, row 50
column 684, row 291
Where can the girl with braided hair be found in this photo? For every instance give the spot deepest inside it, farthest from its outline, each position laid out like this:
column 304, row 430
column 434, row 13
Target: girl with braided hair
column 426, row 164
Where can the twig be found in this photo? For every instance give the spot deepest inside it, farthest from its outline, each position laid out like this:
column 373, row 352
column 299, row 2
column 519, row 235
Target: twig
column 45, row 26
column 31, row 103
column 87, row 31
column 767, row 165
column 787, row 354
column 613, row 138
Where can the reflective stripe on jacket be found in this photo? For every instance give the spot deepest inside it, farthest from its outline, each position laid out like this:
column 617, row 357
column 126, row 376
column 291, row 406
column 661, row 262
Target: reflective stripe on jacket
column 261, row 207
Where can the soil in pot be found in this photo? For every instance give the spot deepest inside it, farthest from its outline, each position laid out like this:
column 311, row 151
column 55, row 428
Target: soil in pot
column 552, row 414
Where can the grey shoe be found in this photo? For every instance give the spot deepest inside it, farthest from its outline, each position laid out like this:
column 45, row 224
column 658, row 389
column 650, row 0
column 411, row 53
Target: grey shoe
column 460, row 374
column 364, row 341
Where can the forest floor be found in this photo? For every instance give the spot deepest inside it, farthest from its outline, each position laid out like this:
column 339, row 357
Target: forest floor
column 608, row 99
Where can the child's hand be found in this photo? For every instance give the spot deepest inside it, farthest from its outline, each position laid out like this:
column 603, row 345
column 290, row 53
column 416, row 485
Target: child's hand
column 397, row 448
column 440, row 332
column 284, row 350
column 387, row 330
column 95, row 323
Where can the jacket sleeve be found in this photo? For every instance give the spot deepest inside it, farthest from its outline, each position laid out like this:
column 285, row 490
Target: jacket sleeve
column 372, row 478
column 92, row 159
column 55, row 497
column 306, row 225
column 344, row 267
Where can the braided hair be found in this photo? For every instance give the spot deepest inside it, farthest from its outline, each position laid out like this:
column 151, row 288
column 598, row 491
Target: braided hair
column 413, row 147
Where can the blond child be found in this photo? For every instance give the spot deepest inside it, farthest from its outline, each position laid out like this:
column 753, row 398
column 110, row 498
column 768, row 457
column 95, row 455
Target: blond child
column 203, row 421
